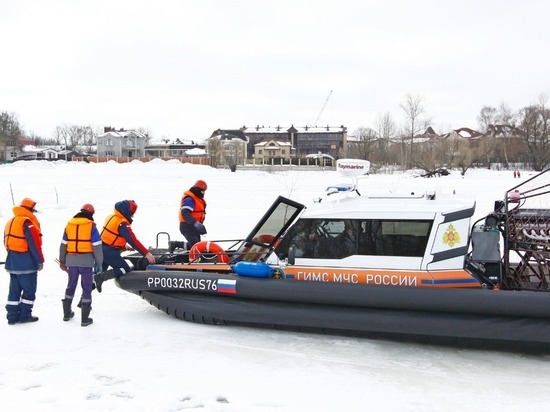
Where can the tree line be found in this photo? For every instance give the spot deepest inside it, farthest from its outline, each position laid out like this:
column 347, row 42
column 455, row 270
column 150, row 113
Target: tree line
column 505, row 137
column 69, row 136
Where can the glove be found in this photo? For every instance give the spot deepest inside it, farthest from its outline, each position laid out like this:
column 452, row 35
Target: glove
column 150, row 258
column 40, row 267
column 200, row 228
column 97, row 269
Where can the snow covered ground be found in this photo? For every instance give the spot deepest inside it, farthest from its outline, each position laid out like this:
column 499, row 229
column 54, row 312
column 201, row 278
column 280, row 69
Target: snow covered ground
column 135, row 357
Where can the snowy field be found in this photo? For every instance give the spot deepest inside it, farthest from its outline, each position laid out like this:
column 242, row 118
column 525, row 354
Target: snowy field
column 136, row 358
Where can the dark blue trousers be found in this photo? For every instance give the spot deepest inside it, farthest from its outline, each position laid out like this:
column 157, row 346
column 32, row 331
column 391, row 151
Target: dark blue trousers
column 113, row 258
column 190, row 233
column 21, row 296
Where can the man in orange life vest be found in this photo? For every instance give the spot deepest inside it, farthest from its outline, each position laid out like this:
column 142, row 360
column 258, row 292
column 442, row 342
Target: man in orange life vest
column 117, row 231
column 191, row 216
column 23, row 241
column 80, row 251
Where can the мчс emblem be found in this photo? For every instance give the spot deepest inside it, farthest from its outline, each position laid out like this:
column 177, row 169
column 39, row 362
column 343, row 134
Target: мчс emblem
column 451, row 236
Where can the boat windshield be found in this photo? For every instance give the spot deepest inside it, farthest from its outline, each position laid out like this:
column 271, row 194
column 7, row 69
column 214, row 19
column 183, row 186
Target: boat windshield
column 265, row 236
column 339, row 238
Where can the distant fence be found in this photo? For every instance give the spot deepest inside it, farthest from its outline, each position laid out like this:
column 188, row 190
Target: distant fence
column 253, row 163
column 122, row 159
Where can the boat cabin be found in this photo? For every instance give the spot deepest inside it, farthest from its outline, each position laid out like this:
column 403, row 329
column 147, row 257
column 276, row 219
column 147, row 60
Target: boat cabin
column 394, row 232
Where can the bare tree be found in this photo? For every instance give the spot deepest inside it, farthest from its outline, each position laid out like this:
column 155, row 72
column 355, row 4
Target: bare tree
column 214, row 149
column 365, row 144
column 387, row 130
column 487, row 117
column 486, row 149
column 446, row 150
column 465, row 156
column 425, row 157
column 506, row 117
column 10, row 130
column 72, row 136
column 534, row 123
column 9, row 125
column 146, row 132
column 500, row 119
column 413, row 108
column 435, row 155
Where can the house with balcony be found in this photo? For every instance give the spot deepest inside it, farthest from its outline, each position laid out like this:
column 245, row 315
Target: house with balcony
column 272, row 149
column 121, row 143
column 303, row 140
column 227, row 148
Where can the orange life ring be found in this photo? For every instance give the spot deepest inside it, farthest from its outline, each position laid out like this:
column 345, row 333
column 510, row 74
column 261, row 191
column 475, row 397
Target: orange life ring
column 204, row 247
column 264, row 239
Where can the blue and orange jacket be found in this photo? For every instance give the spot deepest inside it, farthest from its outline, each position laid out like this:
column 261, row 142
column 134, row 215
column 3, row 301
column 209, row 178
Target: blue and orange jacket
column 23, row 241
column 195, row 205
column 117, row 230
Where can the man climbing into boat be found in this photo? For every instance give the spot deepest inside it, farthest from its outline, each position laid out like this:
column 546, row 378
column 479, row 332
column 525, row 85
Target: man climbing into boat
column 191, row 216
column 116, row 233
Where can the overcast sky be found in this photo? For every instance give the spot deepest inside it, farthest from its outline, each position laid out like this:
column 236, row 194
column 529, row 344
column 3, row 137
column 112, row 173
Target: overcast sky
column 184, row 68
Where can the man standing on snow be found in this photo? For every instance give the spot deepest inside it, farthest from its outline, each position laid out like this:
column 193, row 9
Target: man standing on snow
column 80, row 251
column 191, row 216
column 23, row 241
column 117, row 231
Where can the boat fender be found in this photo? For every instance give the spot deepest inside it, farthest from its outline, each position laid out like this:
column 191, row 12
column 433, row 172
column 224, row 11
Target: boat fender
column 252, row 269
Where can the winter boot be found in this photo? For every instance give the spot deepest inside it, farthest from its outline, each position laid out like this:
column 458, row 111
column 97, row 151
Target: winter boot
column 29, row 319
column 99, row 278
column 86, row 320
column 67, row 312
column 98, row 281
column 173, row 245
column 25, row 313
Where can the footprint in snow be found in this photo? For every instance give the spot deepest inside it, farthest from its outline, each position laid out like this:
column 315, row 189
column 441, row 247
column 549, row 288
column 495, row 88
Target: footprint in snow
column 31, row 386
column 190, row 403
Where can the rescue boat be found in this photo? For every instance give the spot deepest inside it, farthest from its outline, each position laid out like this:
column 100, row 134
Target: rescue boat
column 403, row 267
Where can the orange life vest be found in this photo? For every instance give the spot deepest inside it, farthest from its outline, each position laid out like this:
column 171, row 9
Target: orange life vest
column 79, row 235
column 110, row 235
column 199, row 212
column 14, row 234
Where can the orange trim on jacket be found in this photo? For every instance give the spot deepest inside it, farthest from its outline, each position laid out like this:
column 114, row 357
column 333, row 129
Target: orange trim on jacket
column 199, row 212
column 110, row 234
column 79, row 235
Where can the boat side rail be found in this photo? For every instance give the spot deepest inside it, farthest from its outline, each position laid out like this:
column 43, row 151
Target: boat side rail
column 235, row 249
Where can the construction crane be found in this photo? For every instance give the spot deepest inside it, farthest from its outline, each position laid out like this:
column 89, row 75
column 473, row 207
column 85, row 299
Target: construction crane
column 322, row 109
